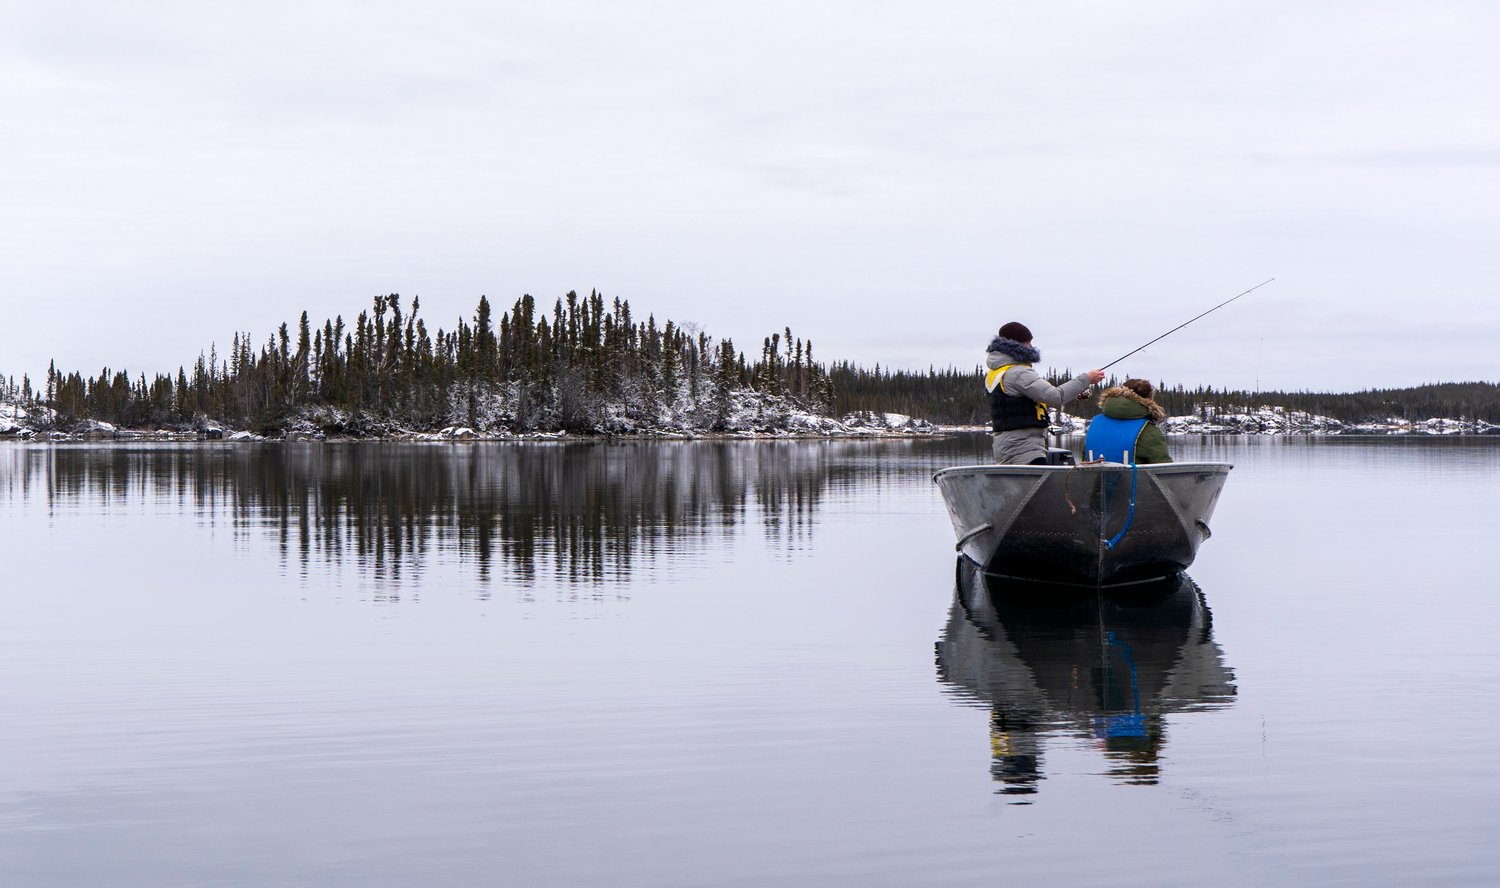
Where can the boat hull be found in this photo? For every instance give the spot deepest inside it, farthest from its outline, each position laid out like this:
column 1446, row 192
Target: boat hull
column 1095, row 525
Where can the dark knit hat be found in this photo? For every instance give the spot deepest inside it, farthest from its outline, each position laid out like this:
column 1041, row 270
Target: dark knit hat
column 1015, row 330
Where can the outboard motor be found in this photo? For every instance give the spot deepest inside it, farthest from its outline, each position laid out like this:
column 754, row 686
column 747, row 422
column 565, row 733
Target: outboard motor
column 1060, row 456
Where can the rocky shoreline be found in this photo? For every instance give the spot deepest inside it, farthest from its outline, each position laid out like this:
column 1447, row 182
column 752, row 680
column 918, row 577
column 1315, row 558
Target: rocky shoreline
column 332, row 426
column 1279, row 421
column 345, row 428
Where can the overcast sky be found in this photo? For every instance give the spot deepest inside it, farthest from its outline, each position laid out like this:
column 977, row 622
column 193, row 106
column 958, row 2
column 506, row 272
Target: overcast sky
column 892, row 180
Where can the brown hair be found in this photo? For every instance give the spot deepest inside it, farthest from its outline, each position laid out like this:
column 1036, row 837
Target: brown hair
column 1140, row 387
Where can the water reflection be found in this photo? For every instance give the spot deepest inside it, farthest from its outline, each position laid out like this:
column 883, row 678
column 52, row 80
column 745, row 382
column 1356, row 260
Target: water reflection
column 1103, row 669
column 574, row 513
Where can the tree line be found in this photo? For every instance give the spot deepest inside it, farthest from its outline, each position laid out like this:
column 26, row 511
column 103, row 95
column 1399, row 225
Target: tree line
column 587, row 366
column 956, row 396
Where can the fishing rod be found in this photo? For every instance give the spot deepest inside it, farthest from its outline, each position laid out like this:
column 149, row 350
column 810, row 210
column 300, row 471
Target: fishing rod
column 1185, row 323
column 1084, row 395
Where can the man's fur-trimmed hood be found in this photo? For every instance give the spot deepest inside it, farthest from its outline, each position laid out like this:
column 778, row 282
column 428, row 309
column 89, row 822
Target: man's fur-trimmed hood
column 1004, row 351
column 1154, row 411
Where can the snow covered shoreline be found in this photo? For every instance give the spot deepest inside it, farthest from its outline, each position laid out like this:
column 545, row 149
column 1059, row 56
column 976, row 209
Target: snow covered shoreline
column 1279, row 421
column 336, row 426
column 780, row 423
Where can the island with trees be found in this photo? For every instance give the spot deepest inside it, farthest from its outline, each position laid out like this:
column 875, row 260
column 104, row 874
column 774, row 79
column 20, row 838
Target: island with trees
column 591, row 366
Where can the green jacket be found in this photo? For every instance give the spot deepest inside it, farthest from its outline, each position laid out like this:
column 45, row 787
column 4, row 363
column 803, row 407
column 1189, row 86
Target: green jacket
column 1119, row 402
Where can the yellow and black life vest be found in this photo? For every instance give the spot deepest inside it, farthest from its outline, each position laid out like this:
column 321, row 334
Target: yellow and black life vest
column 1007, row 411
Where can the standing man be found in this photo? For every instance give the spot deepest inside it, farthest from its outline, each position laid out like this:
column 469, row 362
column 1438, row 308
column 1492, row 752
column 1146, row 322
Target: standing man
column 1019, row 396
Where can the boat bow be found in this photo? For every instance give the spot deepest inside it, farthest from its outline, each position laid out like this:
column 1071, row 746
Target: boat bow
column 1098, row 524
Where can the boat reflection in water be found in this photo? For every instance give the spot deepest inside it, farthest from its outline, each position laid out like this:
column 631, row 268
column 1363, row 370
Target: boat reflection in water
column 1106, row 669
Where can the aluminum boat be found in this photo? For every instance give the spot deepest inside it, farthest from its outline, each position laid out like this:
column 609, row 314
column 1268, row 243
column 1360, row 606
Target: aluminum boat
column 1101, row 524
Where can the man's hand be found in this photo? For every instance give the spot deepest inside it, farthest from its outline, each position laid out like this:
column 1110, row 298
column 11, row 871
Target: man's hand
column 1096, row 376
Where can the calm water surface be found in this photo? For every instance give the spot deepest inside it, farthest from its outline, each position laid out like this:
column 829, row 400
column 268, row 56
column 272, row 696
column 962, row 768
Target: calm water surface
column 730, row 664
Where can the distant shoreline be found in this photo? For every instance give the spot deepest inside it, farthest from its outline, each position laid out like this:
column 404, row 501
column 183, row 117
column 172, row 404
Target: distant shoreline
column 131, row 437
column 785, row 425
column 136, row 436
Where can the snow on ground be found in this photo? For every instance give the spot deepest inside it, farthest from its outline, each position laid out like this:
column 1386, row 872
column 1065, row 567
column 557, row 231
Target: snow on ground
column 1280, row 421
column 14, row 422
column 742, row 413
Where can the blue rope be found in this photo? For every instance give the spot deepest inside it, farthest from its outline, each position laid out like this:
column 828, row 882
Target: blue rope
column 1129, row 724
column 1110, row 543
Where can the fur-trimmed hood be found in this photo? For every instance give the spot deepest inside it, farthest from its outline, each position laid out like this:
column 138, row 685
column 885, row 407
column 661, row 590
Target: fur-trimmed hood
column 1153, row 410
column 1004, row 351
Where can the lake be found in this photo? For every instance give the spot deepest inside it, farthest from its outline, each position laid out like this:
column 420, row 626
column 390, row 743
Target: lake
column 731, row 663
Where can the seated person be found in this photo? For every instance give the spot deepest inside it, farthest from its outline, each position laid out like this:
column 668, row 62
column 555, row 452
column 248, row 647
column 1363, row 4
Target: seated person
column 1126, row 431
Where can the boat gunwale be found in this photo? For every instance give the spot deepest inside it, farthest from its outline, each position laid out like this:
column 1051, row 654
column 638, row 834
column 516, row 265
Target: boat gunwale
column 1092, row 468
